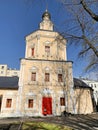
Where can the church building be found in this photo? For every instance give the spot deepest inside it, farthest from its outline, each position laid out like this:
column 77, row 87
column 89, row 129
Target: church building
column 45, row 84
column 45, row 75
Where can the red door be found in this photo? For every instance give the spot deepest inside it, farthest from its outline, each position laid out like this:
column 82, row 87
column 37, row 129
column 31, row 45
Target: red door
column 47, row 105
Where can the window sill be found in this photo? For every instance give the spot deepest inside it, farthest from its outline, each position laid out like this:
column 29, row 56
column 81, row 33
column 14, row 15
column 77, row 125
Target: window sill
column 33, row 83
column 46, row 83
column 6, row 109
column 61, row 83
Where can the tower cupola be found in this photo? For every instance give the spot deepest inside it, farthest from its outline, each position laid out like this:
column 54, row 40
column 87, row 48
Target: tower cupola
column 46, row 15
column 46, row 23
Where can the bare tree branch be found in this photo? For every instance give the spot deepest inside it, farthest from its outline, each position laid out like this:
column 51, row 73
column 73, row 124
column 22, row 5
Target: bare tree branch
column 90, row 45
column 88, row 10
column 84, row 51
column 93, row 64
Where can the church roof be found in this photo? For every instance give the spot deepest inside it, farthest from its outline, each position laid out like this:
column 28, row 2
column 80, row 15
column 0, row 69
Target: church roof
column 9, row 82
column 80, row 84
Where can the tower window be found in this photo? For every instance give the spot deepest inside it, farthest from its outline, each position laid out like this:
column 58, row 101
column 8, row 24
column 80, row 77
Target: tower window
column 95, row 85
column 32, row 51
column 30, row 103
column 33, row 76
column 47, row 49
column 8, row 103
column 62, row 101
column 92, row 85
column 2, row 72
column 2, row 67
column 47, row 77
column 60, row 79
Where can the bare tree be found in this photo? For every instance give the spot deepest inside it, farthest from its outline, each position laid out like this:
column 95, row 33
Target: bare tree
column 82, row 31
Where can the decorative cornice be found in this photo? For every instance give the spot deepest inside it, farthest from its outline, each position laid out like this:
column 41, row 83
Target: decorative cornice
column 47, row 60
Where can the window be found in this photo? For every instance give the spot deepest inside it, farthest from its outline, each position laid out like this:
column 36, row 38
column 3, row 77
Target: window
column 8, row 103
column 2, row 67
column 30, row 103
column 47, row 77
column 32, row 51
column 60, row 78
column 33, row 76
column 15, row 72
column 1, row 72
column 95, row 85
column 47, row 49
column 62, row 101
column 92, row 85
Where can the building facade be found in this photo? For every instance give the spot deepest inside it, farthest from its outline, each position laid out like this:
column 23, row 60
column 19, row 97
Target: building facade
column 5, row 71
column 45, row 84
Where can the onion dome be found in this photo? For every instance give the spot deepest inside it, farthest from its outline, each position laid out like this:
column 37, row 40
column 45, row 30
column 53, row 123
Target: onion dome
column 46, row 15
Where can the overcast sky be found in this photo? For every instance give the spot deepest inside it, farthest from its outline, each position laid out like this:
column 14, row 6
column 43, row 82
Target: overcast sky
column 19, row 18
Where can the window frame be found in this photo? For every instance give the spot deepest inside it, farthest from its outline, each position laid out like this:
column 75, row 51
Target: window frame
column 47, row 77
column 8, row 103
column 33, row 76
column 30, row 103
column 62, row 101
column 2, row 67
column 32, row 51
column 47, row 49
column 60, row 78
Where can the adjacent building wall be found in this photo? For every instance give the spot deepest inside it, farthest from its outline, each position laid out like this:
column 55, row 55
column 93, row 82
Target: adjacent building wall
column 83, row 101
column 6, row 94
column 5, row 71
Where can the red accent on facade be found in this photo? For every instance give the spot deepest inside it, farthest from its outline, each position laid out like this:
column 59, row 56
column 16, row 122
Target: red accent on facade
column 47, row 105
column 32, row 51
